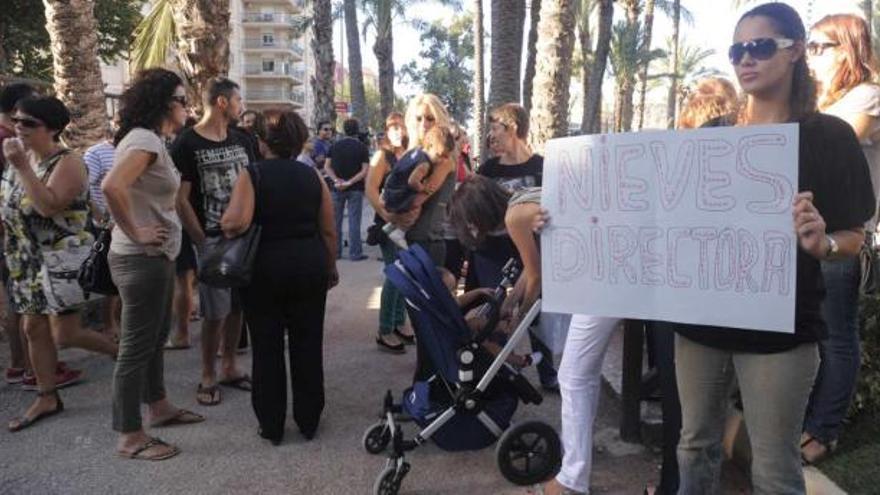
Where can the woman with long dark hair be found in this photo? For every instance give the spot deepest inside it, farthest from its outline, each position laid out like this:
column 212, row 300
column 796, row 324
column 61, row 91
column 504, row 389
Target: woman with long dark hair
column 775, row 371
column 841, row 57
column 392, row 315
column 141, row 191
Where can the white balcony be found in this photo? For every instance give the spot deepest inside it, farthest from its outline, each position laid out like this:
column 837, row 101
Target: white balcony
column 272, row 18
column 280, row 70
column 261, row 44
column 275, row 97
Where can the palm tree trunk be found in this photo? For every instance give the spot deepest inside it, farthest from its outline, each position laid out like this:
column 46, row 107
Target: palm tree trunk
column 586, row 47
column 593, row 105
column 672, row 98
column 549, row 118
column 645, row 47
column 531, row 53
column 627, row 89
column 508, row 20
column 203, row 41
column 74, row 41
column 479, row 83
column 355, row 70
column 384, row 50
column 322, row 46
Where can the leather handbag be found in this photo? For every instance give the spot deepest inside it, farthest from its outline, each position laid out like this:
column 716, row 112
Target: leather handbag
column 870, row 267
column 230, row 262
column 94, row 273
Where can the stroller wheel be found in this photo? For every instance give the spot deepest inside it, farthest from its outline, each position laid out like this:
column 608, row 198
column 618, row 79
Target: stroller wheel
column 389, row 480
column 529, row 453
column 377, row 437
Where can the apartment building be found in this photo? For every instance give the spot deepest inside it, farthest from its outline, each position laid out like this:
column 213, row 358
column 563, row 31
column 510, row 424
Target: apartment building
column 269, row 57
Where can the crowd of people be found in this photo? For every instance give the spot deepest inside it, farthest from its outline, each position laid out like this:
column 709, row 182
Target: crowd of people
column 173, row 189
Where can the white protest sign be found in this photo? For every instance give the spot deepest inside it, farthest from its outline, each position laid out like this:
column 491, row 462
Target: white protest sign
column 682, row 226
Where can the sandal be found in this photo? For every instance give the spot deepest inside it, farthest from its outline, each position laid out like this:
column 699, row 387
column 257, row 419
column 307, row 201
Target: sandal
column 809, row 456
column 213, row 393
column 407, row 339
column 397, row 348
column 181, row 417
column 23, row 422
column 243, row 382
column 141, row 454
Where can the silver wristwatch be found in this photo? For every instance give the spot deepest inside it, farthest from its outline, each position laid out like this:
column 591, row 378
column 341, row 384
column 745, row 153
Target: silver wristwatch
column 833, row 248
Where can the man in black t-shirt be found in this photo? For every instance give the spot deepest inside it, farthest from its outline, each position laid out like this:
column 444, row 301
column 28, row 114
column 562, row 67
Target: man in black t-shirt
column 347, row 163
column 210, row 156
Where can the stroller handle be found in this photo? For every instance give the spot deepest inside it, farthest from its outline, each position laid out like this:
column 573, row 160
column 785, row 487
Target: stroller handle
column 517, row 336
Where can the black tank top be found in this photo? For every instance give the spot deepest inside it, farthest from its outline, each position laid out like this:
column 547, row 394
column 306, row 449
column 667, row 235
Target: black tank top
column 288, row 200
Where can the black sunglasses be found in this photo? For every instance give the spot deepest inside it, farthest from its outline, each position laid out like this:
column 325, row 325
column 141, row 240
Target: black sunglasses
column 179, row 99
column 758, row 49
column 29, row 123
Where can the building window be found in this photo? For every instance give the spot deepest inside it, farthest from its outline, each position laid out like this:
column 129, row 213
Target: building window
column 268, row 39
column 268, row 66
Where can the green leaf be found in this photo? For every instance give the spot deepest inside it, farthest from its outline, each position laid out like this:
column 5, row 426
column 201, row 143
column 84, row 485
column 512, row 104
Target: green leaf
column 154, row 37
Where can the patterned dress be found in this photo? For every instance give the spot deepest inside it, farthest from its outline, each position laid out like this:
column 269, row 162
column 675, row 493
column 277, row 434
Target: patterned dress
column 29, row 234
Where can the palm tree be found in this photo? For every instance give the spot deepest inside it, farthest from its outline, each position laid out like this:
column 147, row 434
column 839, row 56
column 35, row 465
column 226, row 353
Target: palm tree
column 645, row 46
column 531, row 53
column 197, row 31
column 627, row 58
column 355, row 70
column 585, row 35
column 383, row 48
column 508, row 20
column 322, row 47
column 74, row 40
column 556, row 34
column 672, row 96
column 591, row 123
column 479, row 84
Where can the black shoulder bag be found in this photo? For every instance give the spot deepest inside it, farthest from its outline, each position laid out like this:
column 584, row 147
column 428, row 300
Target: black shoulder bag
column 231, row 262
column 94, row 274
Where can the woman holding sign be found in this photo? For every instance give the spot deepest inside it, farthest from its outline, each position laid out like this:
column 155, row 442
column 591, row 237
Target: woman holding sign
column 775, row 371
column 841, row 58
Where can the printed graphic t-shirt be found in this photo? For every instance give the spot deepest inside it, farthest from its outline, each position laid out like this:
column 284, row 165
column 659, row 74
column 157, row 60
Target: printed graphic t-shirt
column 212, row 168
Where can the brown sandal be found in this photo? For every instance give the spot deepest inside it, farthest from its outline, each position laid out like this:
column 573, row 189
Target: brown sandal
column 213, row 393
column 23, row 422
column 140, row 453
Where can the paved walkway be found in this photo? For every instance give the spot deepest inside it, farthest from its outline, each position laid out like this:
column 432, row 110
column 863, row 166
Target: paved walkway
column 73, row 452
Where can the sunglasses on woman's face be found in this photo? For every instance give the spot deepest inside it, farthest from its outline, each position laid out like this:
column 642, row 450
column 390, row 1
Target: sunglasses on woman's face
column 429, row 118
column 817, row 48
column 179, row 99
column 758, row 49
column 26, row 122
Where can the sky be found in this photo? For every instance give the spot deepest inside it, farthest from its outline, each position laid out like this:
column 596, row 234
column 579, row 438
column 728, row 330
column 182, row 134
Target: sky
column 712, row 28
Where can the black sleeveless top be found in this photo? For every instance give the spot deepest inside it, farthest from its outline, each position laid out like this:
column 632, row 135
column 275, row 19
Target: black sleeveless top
column 288, row 200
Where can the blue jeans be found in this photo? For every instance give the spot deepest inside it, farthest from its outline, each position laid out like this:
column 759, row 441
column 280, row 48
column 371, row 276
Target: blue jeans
column 840, row 352
column 355, row 201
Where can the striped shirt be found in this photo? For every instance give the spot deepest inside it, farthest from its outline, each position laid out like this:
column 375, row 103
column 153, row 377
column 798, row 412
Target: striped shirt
column 99, row 160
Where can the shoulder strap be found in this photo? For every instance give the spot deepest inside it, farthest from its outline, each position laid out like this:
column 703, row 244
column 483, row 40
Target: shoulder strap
column 51, row 162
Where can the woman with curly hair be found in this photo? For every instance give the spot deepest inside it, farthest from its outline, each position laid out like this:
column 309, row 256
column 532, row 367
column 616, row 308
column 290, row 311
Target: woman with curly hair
column 141, row 191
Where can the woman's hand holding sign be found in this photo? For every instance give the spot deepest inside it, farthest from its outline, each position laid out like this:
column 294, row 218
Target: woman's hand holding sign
column 810, row 226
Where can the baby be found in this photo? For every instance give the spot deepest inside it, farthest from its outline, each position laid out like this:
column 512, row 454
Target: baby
column 411, row 175
column 476, row 322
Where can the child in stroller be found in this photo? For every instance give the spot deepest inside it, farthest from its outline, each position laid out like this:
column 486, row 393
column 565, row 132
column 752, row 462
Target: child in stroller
column 470, row 396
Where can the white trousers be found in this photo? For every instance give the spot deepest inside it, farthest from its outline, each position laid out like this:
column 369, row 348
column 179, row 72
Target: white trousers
column 580, row 377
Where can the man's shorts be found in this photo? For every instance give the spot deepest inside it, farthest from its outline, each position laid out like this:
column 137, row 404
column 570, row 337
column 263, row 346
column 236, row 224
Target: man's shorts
column 216, row 303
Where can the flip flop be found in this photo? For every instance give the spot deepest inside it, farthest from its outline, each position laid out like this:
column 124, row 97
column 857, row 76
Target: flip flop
column 213, row 392
column 139, row 453
column 181, row 417
column 25, row 422
column 243, row 382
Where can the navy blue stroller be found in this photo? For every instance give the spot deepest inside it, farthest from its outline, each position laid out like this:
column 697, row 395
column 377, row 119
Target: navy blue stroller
column 463, row 398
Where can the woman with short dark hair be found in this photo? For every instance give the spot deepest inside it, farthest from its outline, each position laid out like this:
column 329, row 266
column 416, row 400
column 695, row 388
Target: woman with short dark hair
column 45, row 210
column 295, row 267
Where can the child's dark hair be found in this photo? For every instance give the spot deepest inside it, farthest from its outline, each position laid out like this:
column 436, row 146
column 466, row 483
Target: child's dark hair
column 439, row 138
column 477, row 208
column 788, row 23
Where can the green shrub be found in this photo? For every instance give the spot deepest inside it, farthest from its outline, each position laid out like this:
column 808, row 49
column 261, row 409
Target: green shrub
column 867, row 397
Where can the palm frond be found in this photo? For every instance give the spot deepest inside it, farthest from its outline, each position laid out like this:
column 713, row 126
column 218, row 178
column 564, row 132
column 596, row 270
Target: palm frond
column 666, row 6
column 153, row 37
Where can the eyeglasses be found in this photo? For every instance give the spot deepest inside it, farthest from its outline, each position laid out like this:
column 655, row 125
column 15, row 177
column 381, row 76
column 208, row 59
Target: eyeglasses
column 817, row 48
column 429, row 118
column 179, row 99
column 758, row 49
column 29, row 123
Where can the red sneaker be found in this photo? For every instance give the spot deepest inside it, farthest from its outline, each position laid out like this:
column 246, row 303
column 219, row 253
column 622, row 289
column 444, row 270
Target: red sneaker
column 64, row 378
column 14, row 375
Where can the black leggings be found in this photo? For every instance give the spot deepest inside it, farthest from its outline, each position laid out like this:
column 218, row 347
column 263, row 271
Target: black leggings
column 273, row 305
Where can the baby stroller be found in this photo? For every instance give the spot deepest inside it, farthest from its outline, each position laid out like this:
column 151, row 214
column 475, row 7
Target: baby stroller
column 468, row 398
